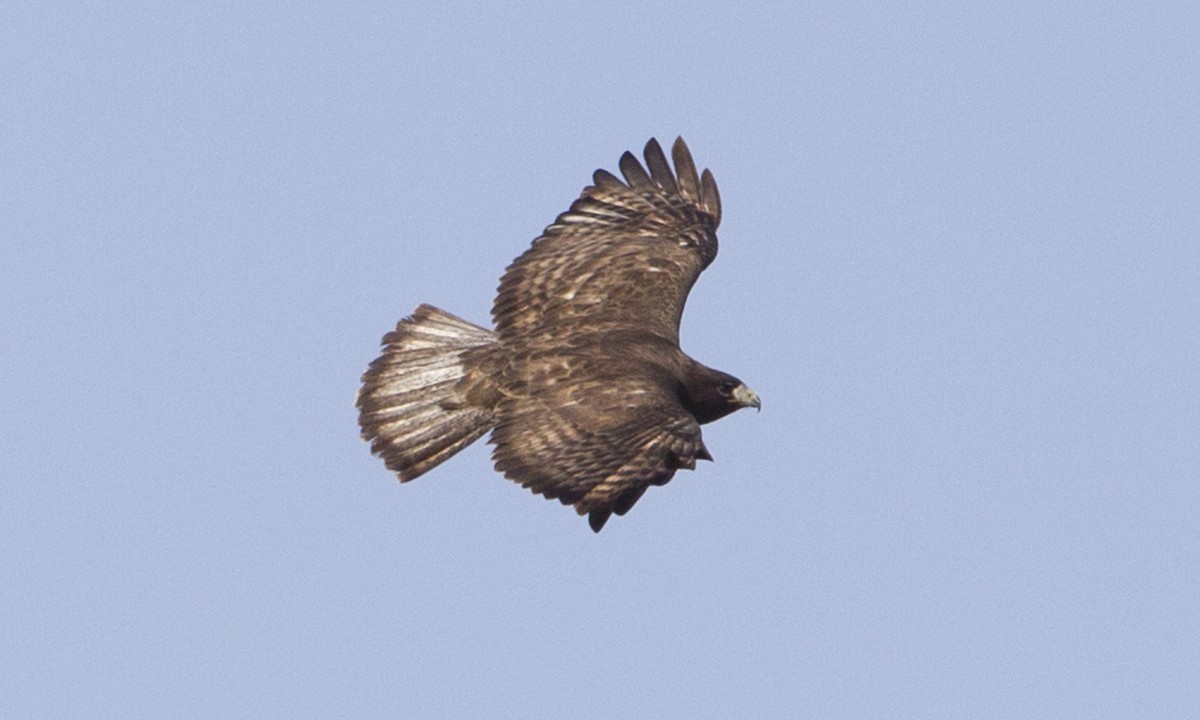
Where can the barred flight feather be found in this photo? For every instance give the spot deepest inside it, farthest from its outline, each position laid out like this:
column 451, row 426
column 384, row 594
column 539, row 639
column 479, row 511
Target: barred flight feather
column 409, row 409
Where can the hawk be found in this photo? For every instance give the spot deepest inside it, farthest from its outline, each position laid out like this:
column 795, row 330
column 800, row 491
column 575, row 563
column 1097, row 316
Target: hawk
column 582, row 383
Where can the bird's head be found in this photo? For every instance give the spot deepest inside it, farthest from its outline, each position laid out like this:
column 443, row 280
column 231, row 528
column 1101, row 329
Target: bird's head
column 740, row 396
column 715, row 394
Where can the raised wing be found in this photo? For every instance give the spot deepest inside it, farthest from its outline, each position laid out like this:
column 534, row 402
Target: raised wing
column 624, row 256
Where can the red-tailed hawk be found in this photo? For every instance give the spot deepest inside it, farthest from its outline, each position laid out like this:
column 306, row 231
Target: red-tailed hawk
column 582, row 383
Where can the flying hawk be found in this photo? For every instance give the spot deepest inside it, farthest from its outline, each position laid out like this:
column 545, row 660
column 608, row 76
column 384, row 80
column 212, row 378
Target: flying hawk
column 582, row 383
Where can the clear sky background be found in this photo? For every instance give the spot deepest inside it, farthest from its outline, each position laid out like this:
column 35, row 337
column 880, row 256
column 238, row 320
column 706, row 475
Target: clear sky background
column 959, row 262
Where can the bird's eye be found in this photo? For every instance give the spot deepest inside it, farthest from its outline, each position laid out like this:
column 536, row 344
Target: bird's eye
column 727, row 388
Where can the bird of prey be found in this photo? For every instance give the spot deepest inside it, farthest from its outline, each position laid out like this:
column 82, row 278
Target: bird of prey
column 582, row 382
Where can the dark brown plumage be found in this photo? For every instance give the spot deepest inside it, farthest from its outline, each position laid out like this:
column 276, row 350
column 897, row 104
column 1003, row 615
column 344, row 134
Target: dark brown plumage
column 585, row 389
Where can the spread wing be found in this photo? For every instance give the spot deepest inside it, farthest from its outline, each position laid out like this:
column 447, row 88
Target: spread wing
column 624, row 256
column 598, row 439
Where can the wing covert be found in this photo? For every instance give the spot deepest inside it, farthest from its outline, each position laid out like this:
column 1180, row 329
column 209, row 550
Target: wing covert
column 597, row 443
column 625, row 255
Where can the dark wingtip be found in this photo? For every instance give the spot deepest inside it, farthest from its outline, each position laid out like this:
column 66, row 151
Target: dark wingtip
column 635, row 174
column 660, row 170
column 604, row 179
column 597, row 518
column 685, row 169
column 709, row 197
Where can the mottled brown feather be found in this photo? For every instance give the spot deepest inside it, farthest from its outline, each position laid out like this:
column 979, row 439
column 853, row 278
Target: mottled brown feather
column 594, row 440
column 588, row 395
column 625, row 255
column 591, row 316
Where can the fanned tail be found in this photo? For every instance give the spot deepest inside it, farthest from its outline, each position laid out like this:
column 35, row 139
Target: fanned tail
column 408, row 407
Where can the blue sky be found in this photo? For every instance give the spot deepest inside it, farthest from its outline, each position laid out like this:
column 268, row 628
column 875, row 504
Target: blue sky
column 959, row 260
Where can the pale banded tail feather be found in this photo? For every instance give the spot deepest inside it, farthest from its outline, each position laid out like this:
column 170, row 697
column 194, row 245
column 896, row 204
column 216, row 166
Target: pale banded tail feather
column 408, row 408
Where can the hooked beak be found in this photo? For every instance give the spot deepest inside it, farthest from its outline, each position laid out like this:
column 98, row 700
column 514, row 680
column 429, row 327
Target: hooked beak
column 747, row 397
